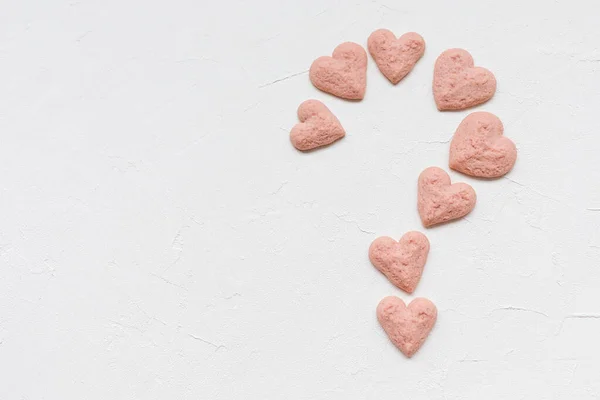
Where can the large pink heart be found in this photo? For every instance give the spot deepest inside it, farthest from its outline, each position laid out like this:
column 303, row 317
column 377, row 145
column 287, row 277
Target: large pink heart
column 479, row 148
column 401, row 262
column 439, row 201
column 395, row 58
column 344, row 74
column 458, row 84
column 407, row 327
column 318, row 126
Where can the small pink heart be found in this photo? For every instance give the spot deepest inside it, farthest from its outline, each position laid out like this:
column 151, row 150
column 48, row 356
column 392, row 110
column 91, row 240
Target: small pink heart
column 458, row 84
column 344, row 74
column 318, row 126
column 479, row 147
column 401, row 262
column 395, row 58
column 407, row 327
column 439, row 201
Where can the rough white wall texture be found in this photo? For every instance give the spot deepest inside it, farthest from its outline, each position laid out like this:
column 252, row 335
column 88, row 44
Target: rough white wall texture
column 160, row 238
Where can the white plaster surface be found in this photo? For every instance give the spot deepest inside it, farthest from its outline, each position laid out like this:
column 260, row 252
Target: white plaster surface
column 160, row 238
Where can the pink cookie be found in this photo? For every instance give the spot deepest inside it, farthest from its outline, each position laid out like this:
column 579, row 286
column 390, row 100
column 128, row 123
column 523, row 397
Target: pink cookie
column 395, row 57
column 401, row 262
column 318, row 126
column 407, row 327
column 343, row 75
column 458, row 84
column 439, row 201
column 479, row 147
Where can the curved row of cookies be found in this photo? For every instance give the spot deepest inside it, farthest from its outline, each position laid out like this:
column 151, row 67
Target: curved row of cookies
column 478, row 148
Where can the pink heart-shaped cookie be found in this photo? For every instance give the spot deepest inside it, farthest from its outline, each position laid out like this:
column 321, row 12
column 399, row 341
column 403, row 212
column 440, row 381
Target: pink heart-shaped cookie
column 458, row 84
column 439, row 201
column 401, row 262
column 318, row 126
column 479, row 147
column 395, row 58
column 407, row 327
column 344, row 74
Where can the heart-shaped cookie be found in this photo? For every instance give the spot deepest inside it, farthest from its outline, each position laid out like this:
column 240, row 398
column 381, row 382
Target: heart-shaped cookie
column 439, row 201
column 395, row 58
column 458, row 84
column 479, row 147
column 407, row 327
column 318, row 126
column 344, row 74
column 401, row 262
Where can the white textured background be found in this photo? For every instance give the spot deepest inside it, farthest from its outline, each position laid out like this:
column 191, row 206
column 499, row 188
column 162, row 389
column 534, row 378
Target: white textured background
column 161, row 239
